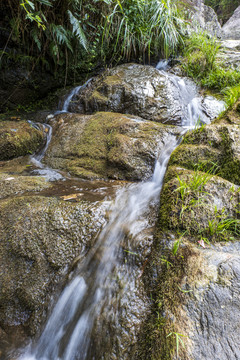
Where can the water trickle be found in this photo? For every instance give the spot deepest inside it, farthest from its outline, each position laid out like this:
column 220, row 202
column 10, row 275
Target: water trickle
column 163, row 64
column 42, row 170
column 72, row 93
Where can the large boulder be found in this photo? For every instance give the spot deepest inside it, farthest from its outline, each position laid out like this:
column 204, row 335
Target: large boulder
column 204, row 18
column 18, row 138
column 40, row 236
column 196, row 313
column 231, row 30
column 217, row 143
column 106, row 145
column 132, row 89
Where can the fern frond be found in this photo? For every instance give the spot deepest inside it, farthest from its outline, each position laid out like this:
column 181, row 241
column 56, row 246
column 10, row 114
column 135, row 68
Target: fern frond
column 77, row 30
column 45, row 2
column 34, row 35
column 61, row 35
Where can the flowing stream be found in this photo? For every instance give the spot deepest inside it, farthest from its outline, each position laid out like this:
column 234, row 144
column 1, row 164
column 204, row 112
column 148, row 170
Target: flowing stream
column 68, row 332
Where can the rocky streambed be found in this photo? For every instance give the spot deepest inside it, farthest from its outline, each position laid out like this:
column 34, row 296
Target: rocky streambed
column 168, row 273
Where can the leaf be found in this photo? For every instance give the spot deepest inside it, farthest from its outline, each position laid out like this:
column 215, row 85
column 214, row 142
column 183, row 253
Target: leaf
column 45, row 2
column 175, row 247
column 34, row 34
column 77, row 30
column 61, row 35
column 71, row 197
column 31, row 4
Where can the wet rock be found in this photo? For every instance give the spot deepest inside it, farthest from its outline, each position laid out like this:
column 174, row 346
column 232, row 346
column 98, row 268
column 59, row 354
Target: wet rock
column 206, row 311
column 15, row 185
column 217, row 143
column 106, row 145
column 19, row 138
column 132, row 89
column 231, row 30
column 229, row 54
column 40, row 236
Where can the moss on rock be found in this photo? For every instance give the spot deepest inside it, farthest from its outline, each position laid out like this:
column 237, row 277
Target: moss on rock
column 40, row 236
column 106, row 145
column 18, row 139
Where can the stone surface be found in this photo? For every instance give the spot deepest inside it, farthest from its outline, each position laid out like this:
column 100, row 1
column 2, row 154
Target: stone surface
column 217, row 143
column 213, row 308
column 229, row 54
column 106, row 145
column 208, row 314
column 40, row 236
column 12, row 184
column 204, row 18
column 18, row 138
column 231, row 30
column 197, row 275
column 132, row 89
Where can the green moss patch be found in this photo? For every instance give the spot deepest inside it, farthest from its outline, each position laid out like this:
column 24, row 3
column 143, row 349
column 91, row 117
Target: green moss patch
column 18, row 139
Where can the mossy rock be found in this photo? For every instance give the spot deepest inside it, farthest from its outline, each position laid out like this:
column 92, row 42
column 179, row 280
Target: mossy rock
column 106, row 145
column 213, row 144
column 40, row 236
column 18, row 138
column 11, row 185
column 196, row 209
column 132, row 89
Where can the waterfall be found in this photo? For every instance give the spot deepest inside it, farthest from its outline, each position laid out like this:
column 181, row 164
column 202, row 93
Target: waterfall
column 67, row 334
column 72, row 93
column 80, row 303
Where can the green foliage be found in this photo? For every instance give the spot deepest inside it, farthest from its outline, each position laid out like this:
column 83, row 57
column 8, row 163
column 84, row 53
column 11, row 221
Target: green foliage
column 197, row 181
column 221, row 225
column 140, row 28
column 178, row 340
column 231, row 95
column 74, row 36
column 200, row 62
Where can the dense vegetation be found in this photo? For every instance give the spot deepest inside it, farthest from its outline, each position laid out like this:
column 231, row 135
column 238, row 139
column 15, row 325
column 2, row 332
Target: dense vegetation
column 201, row 63
column 68, row 38
column 75, row 35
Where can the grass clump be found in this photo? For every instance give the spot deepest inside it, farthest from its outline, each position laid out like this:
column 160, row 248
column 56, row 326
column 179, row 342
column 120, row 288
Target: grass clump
column 200, row 62
column 139, row 28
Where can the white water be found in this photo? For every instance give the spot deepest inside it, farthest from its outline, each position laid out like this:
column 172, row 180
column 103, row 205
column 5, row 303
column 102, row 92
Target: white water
column 36, row 159
column 67, row 334
column 73, row 317
column 72, row 93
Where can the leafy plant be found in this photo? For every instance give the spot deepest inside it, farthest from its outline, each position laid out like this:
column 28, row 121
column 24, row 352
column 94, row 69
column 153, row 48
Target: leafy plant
column 178, row 340
column 222, row 224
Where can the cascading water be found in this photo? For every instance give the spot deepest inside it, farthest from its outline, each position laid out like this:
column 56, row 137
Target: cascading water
column 74, row 91
column 68, row 334
column 82, row 300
